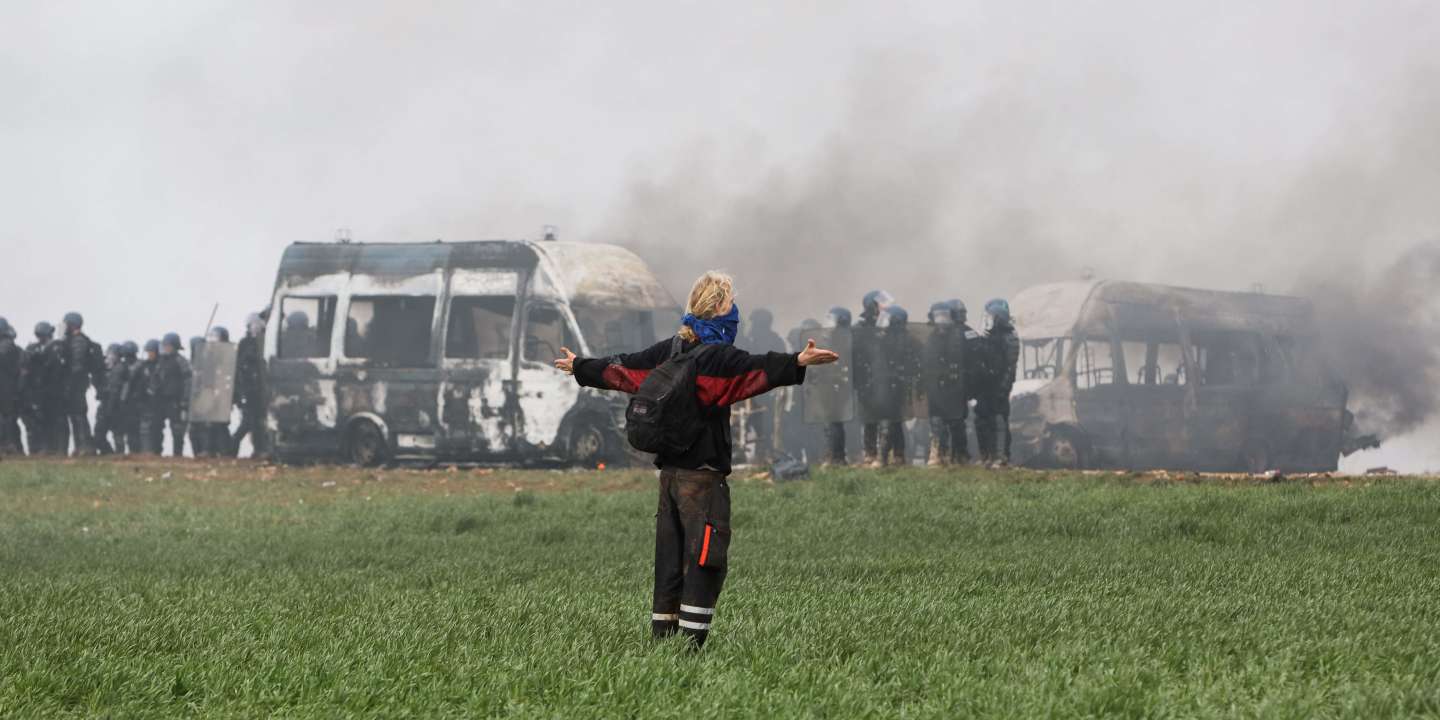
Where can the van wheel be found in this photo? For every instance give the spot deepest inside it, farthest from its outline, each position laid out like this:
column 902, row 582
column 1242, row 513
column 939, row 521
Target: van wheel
column 589, row 445
column 1062, row 449
column 365, row 444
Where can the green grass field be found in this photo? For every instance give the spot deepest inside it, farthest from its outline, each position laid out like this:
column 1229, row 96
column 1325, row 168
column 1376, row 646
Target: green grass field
column 238, row 590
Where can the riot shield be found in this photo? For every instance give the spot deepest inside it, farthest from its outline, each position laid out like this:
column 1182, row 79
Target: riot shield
column 887, row 372
column 212, row 384
column 943, row 366
column 828, row 395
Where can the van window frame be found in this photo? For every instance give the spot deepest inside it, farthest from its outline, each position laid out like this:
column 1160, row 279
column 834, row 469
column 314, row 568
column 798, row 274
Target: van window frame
column 567, row 319
column 349, row 361
column 511, row 351
column 329, row 342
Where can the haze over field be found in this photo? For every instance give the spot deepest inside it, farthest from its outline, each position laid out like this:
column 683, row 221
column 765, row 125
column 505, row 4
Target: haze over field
column 156, row 158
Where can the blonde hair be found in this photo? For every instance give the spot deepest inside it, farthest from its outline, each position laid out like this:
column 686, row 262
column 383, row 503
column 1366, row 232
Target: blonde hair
column 709, row 294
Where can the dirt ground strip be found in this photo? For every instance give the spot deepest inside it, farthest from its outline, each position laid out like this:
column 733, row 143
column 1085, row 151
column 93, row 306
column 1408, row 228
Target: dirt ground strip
column 41, row 485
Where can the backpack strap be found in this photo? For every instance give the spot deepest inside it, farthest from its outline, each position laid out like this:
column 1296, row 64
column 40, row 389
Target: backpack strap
column 677, row 346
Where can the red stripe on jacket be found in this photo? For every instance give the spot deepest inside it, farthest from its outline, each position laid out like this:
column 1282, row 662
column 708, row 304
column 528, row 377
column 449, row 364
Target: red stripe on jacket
column 716, row 391
column 619, row 377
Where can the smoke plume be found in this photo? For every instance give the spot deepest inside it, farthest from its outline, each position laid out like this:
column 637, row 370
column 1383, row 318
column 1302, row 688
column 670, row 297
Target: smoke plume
column 1031, row 179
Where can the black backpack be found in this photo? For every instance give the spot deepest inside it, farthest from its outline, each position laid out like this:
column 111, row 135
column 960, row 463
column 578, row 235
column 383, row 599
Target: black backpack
column 664, row 415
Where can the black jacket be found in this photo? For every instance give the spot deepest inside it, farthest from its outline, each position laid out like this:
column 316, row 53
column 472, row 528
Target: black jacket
column 724, row 377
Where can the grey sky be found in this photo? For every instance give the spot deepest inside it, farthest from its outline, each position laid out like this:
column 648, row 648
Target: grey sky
column 157, row 157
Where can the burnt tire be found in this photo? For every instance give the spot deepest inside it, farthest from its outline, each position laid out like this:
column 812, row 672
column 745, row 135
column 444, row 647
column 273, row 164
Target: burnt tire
column 1062, row 449
column 365, row 445
column 589, row 444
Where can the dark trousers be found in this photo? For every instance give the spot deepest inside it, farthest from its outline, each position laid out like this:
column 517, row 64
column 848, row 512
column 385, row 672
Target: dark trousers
column 870, row 441
column 252, row 423
column 131, row 425
column 152, row 431
column 992, row 427
column 57, row 432
column 199, row 439
column 37, row 432
column 9, row 434
column 692, row 549
column 172, row 417
column 105, row 429
column 892, row 442
column 948, row 441
column 835, row 443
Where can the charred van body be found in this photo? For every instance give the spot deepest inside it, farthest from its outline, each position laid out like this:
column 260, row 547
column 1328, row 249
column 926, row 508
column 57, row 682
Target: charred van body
column 1134, row 376
column 442, row 351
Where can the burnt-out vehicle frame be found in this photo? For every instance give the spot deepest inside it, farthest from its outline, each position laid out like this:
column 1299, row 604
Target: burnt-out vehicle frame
column 442, row 351
column 1134, row 376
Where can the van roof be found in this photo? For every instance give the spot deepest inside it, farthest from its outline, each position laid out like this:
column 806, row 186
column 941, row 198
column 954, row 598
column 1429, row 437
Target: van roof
column 1056, row 309
column 592, row 274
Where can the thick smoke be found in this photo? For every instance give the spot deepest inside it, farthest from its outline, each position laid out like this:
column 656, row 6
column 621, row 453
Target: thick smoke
column 1382, row 334
column 1030, row 179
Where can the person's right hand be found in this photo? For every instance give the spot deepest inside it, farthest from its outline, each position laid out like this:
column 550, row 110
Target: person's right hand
column 566, row 362
column 812, row 355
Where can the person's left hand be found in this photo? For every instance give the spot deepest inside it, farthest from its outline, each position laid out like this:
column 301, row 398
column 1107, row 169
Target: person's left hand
column 812, row 355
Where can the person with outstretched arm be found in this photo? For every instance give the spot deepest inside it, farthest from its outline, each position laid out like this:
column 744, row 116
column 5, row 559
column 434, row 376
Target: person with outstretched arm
column 692, row 527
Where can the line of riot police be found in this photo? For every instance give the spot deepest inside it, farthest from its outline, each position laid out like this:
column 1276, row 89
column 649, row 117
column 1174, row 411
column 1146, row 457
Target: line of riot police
column 142, row 394
column 893, row 372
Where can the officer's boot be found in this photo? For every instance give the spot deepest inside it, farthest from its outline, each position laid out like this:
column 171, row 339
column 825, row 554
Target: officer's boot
column 939, row 448
column 870, row 444
column 985, row 438
column 80, row 428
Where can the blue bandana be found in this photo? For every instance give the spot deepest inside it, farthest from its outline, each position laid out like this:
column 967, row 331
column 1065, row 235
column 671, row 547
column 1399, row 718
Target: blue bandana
column 715, row 331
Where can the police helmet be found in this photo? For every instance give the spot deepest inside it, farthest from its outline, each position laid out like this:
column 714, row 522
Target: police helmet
column 897, row 316
column 254, row 325
column 839, row 317
column 112, row 349
column 152, row 345
column 941, row 313
column 171, row 339
column 73, row 320
column 219, row 334
column 6, row 330
column 44, row 329
column 297, row 320
column 876, row 299
column 958, row 310
column 998, row 308
column 195, row 342
column 129, row 348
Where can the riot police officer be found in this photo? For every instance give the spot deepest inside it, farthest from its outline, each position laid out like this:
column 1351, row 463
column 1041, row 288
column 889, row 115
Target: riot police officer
column 835, row 453
column 126, row 395
column 865, row 358
column 900, row 386
column 169, row 390
column 992, row 404
column 84, row 365
column 11, row 360
column 212, row 439
column 250, row 388
column 952, row 349
column 108, row 438
column 142, row 403
column 199, row 433
column 42, row 394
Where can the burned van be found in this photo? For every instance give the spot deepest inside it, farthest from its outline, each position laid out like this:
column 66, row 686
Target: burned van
column 1134, row 376
column 442, row 351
